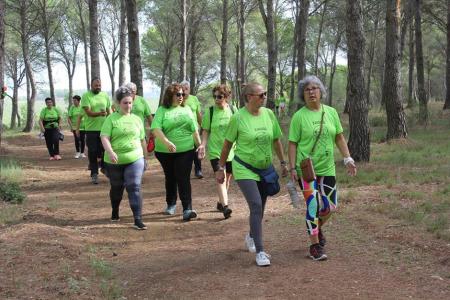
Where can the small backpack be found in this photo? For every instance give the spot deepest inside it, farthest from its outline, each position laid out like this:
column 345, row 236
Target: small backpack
column 211, row 112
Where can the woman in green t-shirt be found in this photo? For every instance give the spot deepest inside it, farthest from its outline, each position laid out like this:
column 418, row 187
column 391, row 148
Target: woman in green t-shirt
column 50, row 124
column 175, row 129
column 256, row 132
column 214, row 124
column 75, row 112
column 313, row 132
column 123, row 138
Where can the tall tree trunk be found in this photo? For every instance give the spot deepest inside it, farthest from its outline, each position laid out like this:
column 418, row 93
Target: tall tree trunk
column 2, row 62
column 447, row 76
column 223, row 46
column 193, row 63
column 183, row 41
column 333, row 67
column 406, row 20
column 371, row 53
column 15, row 106
column 301, row 40
column 269, row 21
column 294, row 54
column 134, row 50
column 242, row 74
column 423, row 101
column 94, row 39
column 162, row 84
column 396, row 120
column 123, row 42
column 237, row 84
column 359, row 137
column 48, row 50
column 412, row 55
column 26, row 58
column 319, row 36
column 85, row 42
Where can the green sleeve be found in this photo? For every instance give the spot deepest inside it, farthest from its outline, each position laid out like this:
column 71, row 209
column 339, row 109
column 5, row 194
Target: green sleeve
column 159, row 115
column 142, row 133
column 70, row 111
column 232, row 129
column 294, row 128
column 107, row 127
column 147, row 111
column 194, row 125
column 206, row 120
column 85, row 101
column 42, row 114
column 337, row 122
column 108, row 102
column 275, row 125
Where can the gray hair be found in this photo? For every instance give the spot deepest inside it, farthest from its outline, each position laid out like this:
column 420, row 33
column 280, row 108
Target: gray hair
column 122, row 92
column 131, row 85
column 186, row 83
column 308, row 80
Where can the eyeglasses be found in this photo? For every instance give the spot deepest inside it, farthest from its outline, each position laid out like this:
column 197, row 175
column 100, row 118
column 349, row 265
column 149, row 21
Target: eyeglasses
column 218, row 97
column 180, row 94
column 262, row 95
column 311, row 89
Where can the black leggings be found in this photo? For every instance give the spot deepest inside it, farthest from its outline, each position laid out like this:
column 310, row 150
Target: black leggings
column 80, row 141
column 177, row 170
column 95, row 151
column 52, row 140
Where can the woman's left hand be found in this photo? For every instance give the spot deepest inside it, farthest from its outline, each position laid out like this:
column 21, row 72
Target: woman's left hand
column 351, row 168
column 201, row 152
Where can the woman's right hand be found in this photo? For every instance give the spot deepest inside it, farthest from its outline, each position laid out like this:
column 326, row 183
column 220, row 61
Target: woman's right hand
column 293, row 173
column 113, row 157
column 220, row 176
column 171, row 146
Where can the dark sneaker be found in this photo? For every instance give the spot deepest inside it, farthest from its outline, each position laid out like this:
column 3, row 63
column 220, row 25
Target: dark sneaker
column 94, row 179
column 115, row 216
column 189, row 214
column 219, row 206
column 199, row 174
column 227, row 212
column 316, row 252
column 170, row 210
column 322, row 240
column 139, row 225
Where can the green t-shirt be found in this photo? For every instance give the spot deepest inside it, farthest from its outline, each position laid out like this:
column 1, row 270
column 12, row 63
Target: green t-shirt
column 50, row 117
column 96, row 103
column 195, row 105
column 125, row 133
column 218, row 126
column 254, row 136
column 305, row 126
column 178, row 125
column 73, row 114
column 141, row 108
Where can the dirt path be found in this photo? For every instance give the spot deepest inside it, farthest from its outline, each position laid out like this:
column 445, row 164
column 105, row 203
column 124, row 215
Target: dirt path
column 65, row 247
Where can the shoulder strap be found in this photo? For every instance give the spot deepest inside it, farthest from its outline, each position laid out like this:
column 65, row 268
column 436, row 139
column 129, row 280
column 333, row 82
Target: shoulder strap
column 320, row 132
column 211, row 111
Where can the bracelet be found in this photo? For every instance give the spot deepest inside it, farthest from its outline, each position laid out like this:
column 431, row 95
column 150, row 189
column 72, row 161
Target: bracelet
column 348, row 160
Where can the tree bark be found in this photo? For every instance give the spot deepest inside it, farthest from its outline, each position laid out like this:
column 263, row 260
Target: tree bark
column 85, row 42
column 134, row 51
column 123, row 42
column 447, row 76
column 412, row 54
column 2, row 62
column 269, row 21
column 294, row 54
column 333, row 67
column 223, row 46
column 46, row 34
column 183, row 41
column 242, row 78
column 423, row 101
column 359, row 137
column 319, row 36
column 371, row 57
column 301, row 40
column 391, row 84
column 162, row 84
column 94, row 39
column 193, row 63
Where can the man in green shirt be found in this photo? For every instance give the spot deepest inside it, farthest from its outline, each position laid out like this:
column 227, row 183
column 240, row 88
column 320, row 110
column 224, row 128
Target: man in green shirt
column 193, row 102
column 97, row 106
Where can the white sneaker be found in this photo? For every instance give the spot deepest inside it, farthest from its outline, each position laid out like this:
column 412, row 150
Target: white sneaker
column 262, row 259
column 77, row 154
column 250, row 243
column 82, row 155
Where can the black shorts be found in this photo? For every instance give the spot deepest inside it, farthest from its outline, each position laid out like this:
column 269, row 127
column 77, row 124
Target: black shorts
column 215, row 165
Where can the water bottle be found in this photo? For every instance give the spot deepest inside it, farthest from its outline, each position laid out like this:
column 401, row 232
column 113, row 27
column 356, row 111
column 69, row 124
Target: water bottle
column 295, row 199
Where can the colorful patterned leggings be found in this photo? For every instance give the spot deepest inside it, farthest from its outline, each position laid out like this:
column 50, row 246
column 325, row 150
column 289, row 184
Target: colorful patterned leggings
column 321, row 200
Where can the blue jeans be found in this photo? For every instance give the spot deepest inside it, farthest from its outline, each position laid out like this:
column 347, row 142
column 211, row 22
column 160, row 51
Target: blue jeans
column 129, row 177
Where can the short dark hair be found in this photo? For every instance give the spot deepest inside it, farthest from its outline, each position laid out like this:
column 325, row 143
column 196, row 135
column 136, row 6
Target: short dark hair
column 48, row 98
column 76, row 97
column 123, row 92
column 222, row 88
column 170, row 91
column 94, row 79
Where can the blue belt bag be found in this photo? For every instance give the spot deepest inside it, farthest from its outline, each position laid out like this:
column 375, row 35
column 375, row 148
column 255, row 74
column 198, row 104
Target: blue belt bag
column 269, row 177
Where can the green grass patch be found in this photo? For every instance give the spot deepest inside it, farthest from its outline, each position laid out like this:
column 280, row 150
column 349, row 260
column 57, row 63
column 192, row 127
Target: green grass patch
column 10, row 213
column 10, row 171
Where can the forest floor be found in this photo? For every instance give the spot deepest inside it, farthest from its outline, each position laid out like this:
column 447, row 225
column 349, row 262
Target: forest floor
column 62, row 245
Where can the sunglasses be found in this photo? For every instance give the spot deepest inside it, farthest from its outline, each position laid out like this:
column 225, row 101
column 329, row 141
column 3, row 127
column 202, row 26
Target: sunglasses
column 218, row 97
column 311, row 89
column 262, row 95
column 180, row 94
